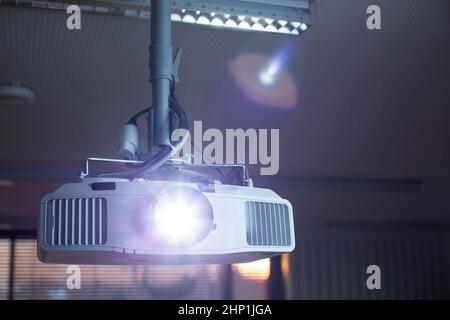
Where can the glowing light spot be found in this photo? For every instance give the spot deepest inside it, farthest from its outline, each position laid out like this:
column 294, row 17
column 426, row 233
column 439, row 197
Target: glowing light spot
column 182, row 217
column 264, row 80
column 258, row 270
column 268, row 76
column 176, row 219
column 285, row 266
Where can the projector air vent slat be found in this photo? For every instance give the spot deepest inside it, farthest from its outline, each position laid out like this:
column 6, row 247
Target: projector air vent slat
column 267, row 224
column 76, row 221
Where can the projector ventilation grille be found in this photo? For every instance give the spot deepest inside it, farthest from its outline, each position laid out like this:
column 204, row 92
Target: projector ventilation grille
column 267, row 224
column 76, row 221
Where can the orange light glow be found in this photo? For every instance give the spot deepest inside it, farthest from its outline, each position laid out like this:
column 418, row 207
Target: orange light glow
column 285, row 266
column 257, row 270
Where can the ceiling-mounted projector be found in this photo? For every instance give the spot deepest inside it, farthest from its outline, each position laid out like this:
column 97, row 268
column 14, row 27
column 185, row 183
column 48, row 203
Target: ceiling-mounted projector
column 115, row 221
column 165, row 211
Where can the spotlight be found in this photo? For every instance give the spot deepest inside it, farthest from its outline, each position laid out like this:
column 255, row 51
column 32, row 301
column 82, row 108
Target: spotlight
column 183, row 216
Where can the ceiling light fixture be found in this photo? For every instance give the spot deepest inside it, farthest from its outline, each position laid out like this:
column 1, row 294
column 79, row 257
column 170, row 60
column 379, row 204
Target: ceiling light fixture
column 277, row 16
column 15, row 93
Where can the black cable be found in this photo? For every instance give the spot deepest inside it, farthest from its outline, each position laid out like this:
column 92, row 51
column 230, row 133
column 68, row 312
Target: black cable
column 174, row 106
column 133, row 119
column 156, row 161
column 151, row 164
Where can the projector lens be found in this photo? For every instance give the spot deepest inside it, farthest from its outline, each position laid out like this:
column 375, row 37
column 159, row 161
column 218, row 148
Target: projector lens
column 183, row 216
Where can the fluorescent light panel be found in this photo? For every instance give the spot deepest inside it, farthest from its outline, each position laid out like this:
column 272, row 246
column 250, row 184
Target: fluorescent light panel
column 249, row 23
column 277, row 16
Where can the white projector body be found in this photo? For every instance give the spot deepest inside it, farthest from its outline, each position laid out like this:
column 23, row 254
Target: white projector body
column 117, row 221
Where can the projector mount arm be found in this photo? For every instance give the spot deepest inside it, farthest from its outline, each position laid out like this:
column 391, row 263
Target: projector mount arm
column 163, row 75
column 161, row 67
column 157, row 163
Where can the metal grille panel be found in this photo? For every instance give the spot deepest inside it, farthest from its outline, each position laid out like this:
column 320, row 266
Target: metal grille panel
column 76, row 221
column 267, row 224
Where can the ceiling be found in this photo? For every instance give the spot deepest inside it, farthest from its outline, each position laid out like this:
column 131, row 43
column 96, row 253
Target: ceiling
column 371, row 104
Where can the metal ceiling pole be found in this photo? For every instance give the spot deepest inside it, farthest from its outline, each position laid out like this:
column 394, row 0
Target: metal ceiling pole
column 160, row 70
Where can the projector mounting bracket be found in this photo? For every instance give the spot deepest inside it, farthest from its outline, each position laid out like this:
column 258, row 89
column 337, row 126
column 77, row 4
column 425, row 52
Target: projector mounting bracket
column 85, row 172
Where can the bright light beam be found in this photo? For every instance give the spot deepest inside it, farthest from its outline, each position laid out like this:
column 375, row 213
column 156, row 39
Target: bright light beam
column 183, row 216
column 268, row 76
column 176, row 219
